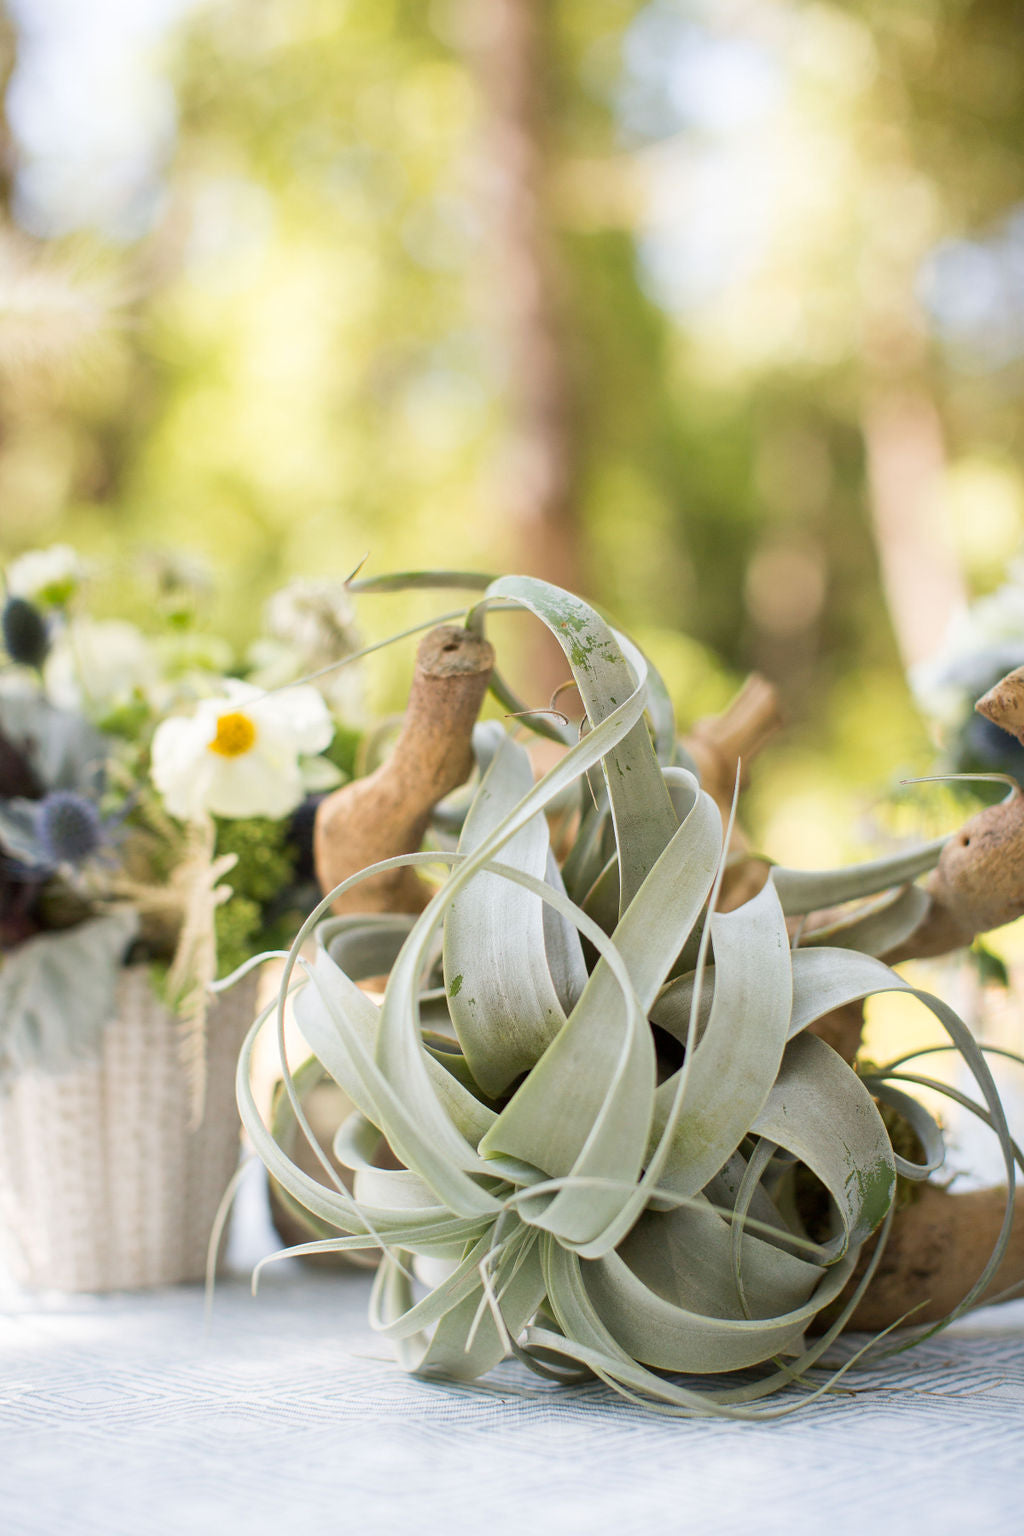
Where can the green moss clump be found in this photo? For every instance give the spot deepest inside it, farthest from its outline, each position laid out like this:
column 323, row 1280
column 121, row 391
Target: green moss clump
column 261, row 882
column 906, row 1144
column 237, row 924
column 265, row 865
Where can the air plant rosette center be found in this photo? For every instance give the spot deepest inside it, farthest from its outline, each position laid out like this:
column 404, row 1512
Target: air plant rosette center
column 621, row 1140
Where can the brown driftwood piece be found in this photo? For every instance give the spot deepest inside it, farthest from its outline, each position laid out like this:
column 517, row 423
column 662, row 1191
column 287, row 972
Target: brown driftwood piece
column 842, row 1030
column 1004, row 703
column 935, row 1251
column 386, row 813
column 939, row 1240
column 978, row 883
column 976, row 886
column 721, row 745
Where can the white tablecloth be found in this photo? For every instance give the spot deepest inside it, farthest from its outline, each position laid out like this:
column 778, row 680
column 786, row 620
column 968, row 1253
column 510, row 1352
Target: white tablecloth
column 122, row 1416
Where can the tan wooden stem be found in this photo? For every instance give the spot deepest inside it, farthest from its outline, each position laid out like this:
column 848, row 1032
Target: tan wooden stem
column 719, row 744
column 722, row 745
column 936, row 1250
column 386, row 813
column 978, row 884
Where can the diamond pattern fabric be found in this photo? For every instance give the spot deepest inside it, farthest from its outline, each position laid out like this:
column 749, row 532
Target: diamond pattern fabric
column 126, row 1415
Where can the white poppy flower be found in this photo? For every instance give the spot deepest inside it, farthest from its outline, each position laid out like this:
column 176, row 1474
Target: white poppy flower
column 241, row 754
column 50, row 576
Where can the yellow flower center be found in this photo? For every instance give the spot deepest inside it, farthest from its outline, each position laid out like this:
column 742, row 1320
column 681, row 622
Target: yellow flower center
column 235, row 735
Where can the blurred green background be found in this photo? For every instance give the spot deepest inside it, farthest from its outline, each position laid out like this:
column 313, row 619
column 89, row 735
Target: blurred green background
column 711, row 311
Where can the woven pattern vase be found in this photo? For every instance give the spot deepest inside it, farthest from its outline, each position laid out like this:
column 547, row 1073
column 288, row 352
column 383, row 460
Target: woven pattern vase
column 103, row 1184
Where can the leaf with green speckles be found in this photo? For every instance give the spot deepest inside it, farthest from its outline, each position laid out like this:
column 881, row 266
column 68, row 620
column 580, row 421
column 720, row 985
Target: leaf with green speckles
column 606, row 666
column 819, row 1111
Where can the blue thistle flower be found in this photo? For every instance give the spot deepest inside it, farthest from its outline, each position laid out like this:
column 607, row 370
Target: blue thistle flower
column 69, row 828
column 51, row 780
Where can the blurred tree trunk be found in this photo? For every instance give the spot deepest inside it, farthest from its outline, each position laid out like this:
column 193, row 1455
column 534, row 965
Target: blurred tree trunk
column 539, row 469
column 8, row 58
column 904, row 434
column 906, row 458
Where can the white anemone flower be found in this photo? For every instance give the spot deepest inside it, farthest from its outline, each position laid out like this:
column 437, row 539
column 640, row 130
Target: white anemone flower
column 97, row 665
column 240, row 754
column 310, row 625
column 49, row 576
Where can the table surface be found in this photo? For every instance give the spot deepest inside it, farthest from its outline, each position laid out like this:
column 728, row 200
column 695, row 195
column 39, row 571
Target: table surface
column 128, row 1415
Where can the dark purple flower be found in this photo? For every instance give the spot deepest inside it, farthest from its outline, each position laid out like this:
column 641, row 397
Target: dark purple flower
column 25, row 631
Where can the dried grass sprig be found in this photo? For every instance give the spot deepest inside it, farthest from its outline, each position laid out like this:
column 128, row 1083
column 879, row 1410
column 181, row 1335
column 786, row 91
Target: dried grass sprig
column 195, row 885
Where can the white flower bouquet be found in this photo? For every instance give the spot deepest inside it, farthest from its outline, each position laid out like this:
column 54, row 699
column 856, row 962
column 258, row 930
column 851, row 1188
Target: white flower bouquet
column 154, row 823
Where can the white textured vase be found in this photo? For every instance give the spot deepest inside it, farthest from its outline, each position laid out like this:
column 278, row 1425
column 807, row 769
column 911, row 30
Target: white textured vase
column 103, row 1183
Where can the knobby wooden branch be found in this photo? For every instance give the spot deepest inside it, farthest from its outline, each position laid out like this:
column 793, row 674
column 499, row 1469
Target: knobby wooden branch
column 936, row 1249
column 978, row 884
column 941, row 1238
column 386, row 813
column 722, row 746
